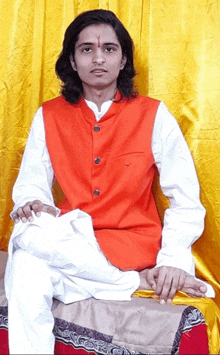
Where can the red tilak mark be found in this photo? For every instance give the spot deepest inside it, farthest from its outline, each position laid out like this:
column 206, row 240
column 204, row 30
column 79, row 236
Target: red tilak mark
column 127, row 164
column 99, row 44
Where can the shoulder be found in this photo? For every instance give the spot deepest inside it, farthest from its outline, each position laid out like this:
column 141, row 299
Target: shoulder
column 143, row 105
column 146, row 99
column 53, row 103
column 58, row 107
column 141, row 99
column 143, row 102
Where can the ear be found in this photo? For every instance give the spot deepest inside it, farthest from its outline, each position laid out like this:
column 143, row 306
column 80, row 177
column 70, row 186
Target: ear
column 123, row 62
column 72, row 62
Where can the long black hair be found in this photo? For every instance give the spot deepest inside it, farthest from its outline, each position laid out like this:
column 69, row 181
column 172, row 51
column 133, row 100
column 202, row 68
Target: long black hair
column 72, row 88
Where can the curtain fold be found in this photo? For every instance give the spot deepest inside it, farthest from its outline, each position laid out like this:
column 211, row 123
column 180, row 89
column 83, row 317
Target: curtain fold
column 177, row 51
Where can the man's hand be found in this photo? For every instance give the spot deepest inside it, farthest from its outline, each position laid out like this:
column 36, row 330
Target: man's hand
column 25, row 213
column 193, row 287
column 166, row 281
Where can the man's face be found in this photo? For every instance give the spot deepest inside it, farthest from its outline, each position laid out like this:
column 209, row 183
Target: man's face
column 98, row 57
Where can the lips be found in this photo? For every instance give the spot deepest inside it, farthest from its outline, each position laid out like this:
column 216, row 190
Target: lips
column 98, row 71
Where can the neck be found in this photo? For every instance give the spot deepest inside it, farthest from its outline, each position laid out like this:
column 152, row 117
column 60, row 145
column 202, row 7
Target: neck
column 99, row 96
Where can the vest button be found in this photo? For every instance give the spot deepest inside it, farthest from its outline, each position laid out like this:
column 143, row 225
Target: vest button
column 97, row 160
column 96, row 128
column 96, row 192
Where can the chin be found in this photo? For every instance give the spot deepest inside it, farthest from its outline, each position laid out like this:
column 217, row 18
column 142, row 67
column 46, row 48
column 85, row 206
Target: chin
column 99, row 85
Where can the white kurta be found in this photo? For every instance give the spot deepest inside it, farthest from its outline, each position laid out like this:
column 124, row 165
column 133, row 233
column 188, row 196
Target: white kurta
column 60, row 257
column 183, row 220
column 68, row 244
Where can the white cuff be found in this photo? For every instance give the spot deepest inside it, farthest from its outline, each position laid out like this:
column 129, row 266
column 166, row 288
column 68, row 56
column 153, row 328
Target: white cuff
column 178, row 257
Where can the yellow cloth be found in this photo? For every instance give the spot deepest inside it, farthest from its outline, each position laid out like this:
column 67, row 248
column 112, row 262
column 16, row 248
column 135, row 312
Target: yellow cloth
column 207, row 307
column 177, row 51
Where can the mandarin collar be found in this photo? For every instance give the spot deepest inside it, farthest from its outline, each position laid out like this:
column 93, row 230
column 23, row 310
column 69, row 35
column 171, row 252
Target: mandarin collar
column 114, row 109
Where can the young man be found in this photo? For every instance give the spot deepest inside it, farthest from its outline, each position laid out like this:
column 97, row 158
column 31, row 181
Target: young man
column 102, row 142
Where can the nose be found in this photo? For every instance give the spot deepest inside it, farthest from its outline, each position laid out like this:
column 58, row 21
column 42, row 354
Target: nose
column 99, row 57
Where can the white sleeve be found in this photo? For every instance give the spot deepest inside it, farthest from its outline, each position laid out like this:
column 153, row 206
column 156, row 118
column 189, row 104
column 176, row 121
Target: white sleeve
column 184, row 219
column 35, row 178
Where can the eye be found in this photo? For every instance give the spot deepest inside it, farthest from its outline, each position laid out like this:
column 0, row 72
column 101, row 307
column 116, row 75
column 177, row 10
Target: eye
column 109, row 49
column 86, row 50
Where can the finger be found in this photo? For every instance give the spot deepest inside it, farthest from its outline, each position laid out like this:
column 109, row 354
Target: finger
column 160, row 280
column 144, row 285
column 49, row 209
column 174, row 288
column 181, row 280
column 27, row 212
column 191, row 282
column 167, row 286
column 37, row 207
column 192, row 292
column 21, row 214
column 15, row 218
column 203, row 288
column 151, row 276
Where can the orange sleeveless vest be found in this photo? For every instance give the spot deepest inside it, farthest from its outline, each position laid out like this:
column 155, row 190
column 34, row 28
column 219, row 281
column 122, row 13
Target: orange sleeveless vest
column 106, row 169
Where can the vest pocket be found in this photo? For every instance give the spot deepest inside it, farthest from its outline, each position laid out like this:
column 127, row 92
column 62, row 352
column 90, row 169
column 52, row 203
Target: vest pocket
column 133, row 159
column 128, row 154
column 129, row 171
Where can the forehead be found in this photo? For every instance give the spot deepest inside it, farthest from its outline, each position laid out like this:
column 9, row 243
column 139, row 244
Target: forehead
column 93, row 33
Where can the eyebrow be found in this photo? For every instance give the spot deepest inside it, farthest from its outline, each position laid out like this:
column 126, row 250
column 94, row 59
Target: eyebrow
column 111, row 44
column 92, row 44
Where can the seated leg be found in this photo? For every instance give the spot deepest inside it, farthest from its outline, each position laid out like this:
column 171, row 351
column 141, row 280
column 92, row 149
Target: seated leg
column 30, row 320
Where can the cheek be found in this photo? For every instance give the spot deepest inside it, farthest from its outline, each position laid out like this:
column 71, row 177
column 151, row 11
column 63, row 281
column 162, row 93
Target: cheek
column 116, row 63
column 116, row 67
column 81, row 62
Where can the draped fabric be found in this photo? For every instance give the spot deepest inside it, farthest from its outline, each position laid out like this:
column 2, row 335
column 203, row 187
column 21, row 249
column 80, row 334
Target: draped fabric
column 207, row 307
column 177, row 57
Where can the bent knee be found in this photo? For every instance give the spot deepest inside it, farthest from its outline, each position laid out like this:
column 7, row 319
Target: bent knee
column 24, row 262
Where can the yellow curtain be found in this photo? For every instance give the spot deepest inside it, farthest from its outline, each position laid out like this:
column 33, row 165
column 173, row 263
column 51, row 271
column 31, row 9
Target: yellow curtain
column 177, row 56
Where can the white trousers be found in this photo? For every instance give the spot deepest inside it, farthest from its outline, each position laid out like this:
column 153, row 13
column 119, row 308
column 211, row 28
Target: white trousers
column 57, row 258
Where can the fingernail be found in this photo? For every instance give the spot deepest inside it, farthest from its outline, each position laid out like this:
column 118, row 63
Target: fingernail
column 162, row 302
column 30, row 219
column 169, row 301
column 38, row 214
column 24, row 220
column 17, row 220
